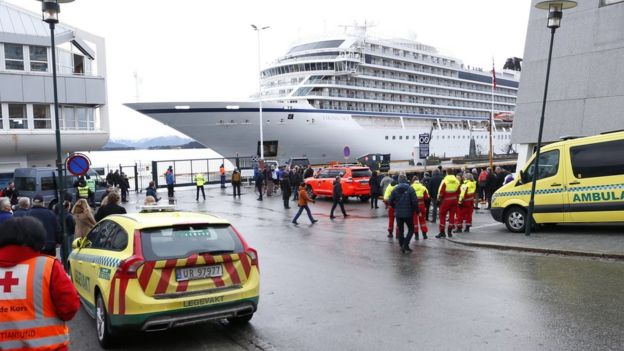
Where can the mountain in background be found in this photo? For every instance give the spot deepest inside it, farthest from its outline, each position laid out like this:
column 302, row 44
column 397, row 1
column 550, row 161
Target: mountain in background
column 163, row 142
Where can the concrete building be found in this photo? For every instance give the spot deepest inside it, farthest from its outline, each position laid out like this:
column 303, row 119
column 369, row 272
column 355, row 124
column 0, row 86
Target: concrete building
column 586, row 89
column 27, row 128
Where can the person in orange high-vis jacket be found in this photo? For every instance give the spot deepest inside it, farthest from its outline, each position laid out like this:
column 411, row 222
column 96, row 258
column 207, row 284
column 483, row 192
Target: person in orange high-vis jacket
column 222, row 174
column 420, row 217
column 447, row 197
column 465, row 206
column 36, row 295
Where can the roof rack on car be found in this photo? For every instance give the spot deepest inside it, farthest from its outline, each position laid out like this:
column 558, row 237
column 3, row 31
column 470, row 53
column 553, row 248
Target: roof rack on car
column 569, row 137
column 157, row 208
column 612, row 131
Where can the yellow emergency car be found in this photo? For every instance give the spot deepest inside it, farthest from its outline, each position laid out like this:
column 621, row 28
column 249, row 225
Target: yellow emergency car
column 158, row 270
column 579, row 181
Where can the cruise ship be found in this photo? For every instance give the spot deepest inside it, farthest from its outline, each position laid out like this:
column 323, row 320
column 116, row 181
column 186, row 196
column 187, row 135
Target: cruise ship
column 372, row 95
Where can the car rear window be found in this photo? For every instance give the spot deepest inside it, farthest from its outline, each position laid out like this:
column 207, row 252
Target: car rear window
column 185, row 240
column 358, row 173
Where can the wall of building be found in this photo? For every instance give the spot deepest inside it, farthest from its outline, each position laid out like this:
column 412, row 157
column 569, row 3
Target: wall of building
column 585, row 94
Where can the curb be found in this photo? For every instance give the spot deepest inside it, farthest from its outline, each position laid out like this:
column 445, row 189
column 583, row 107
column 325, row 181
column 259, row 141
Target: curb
column 493, row 245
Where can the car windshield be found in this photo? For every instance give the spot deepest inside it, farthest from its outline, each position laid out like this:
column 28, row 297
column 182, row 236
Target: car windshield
column 362, row 172
column 184, row 240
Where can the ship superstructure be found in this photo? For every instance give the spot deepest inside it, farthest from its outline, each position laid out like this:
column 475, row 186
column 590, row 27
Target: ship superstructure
column 373, row 95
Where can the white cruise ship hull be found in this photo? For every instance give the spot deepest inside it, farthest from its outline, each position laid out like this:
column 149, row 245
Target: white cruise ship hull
column 299, row 130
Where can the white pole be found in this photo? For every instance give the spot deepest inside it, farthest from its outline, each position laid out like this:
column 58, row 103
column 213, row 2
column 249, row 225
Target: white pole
column 492, row 117
column 258, row 29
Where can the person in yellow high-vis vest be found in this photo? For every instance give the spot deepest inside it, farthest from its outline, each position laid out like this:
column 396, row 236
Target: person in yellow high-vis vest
column 447, row 197
column 420, row 217
column 465, row 206
column 199, row 182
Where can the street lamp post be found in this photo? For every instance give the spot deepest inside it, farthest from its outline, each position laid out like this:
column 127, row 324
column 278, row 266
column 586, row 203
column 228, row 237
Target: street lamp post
column 258, row 29
column 50, row 10
column 555, row 13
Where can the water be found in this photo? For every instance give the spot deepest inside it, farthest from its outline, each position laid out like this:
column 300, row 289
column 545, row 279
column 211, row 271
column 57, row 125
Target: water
column 186, row 163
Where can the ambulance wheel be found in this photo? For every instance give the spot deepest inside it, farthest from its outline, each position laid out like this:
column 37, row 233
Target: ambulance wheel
column 240, row 320
column 516, row 219
column 102, row 323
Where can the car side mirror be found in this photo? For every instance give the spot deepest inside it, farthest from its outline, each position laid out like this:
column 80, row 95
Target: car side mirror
column 76, row 244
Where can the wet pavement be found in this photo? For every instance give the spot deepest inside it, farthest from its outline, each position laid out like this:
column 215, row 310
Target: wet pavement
column 342, row 285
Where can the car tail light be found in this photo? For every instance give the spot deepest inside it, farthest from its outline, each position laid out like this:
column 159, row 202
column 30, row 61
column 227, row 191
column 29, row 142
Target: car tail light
column 128, row 268
column 253, row 256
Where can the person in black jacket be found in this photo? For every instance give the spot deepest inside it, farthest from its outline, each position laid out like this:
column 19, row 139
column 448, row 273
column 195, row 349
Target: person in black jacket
column 337, row 197
column 50, row 223
column 490, row 186
column 434, row 185
column 111, row 207
column 295, row 180
column 375, row 189
column 405, row 202
column 309, row 172
column 286, row 189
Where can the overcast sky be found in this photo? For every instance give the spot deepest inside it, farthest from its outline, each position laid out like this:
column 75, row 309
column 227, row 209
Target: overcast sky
column 199, row 50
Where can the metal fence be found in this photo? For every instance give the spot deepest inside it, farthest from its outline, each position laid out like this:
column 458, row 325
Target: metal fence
column 185, row 170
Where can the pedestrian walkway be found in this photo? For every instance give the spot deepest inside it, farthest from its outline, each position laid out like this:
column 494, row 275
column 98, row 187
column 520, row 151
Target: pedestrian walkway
column 593, row 241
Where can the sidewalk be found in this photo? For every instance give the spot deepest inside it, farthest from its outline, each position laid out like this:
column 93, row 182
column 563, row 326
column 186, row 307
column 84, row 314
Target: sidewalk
column 592, row 241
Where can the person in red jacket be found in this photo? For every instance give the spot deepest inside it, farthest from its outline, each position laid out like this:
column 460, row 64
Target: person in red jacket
column 447, row 197
column 36, row 295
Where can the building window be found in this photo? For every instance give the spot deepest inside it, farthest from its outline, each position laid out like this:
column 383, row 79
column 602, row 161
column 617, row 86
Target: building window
column 393, row 137
column 41, row 117
column 386, row 137
column 14, row 57
column 69, row 119
column 38, row 59
column 17, row 116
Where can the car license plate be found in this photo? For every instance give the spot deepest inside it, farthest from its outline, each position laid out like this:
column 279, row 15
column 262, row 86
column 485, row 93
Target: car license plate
column 200, row 272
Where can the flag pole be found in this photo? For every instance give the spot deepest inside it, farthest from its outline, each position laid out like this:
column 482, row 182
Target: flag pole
column 491, row 153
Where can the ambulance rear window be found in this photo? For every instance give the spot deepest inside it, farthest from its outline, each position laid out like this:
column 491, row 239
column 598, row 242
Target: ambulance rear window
column 184, row 240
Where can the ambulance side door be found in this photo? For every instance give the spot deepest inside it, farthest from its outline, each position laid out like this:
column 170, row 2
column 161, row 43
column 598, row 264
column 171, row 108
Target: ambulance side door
column 596, row 182
column 82, row 270
column 550, row 187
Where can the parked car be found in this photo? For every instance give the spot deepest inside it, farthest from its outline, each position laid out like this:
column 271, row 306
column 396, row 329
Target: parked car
column 161, row 269
column 42, row 180
column 354, row 182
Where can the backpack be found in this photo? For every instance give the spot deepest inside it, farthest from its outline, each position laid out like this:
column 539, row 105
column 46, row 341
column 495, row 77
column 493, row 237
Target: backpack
column 236, row 177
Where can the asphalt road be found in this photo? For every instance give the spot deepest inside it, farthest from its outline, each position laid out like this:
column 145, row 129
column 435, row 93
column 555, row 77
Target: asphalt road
column 342, row 285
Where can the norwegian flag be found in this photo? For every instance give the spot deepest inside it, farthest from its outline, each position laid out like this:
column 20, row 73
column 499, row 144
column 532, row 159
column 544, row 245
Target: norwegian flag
column 493, row 75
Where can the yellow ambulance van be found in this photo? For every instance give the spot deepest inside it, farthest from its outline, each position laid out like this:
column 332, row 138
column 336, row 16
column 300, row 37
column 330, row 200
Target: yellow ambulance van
column 579, row 181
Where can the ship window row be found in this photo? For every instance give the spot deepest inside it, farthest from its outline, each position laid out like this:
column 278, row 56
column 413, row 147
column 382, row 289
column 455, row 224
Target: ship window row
column 312, row 66
column 450, row 83
column 415, row 110
column 411, row 54
column 420, row 89
column 14, row 116
column 360, row 95
column 410, row 66
column 451, row 137
column 34, row 58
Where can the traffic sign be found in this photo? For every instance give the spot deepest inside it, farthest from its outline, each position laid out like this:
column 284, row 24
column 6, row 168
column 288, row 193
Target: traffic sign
column 77, row 164
column 346, row 151
column 423, row 143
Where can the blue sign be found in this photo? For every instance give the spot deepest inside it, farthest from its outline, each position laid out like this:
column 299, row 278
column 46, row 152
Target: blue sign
column 78, row 164
column 346, row 151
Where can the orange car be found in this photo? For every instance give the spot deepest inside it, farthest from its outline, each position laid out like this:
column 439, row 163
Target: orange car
column 354, row 182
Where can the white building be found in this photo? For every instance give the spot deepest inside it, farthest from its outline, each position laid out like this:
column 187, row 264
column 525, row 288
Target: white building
column 27, row 127
column 585, row 92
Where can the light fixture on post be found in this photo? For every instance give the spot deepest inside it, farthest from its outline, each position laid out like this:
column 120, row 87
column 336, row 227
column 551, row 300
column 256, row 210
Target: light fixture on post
column 555, row 13
column 50, row 10
column 258, row 29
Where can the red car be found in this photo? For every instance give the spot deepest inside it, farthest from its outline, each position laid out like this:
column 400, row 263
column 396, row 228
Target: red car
column 354, row 182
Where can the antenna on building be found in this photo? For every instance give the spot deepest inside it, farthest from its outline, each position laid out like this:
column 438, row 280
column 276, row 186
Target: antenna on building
column 137, row 81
